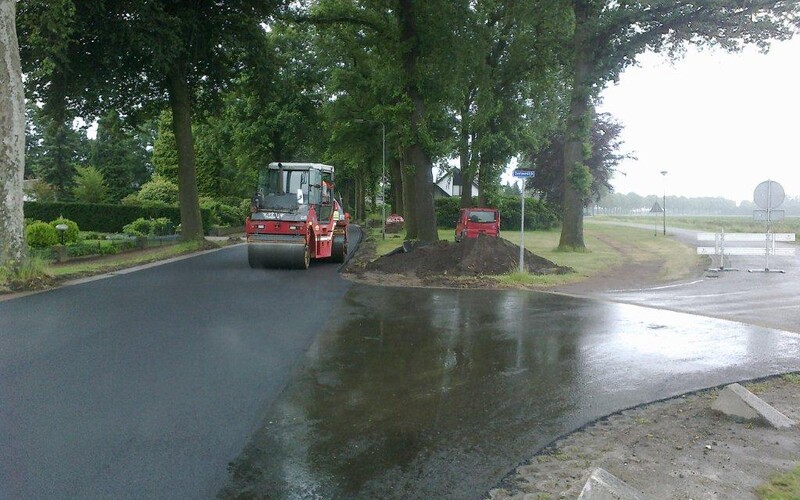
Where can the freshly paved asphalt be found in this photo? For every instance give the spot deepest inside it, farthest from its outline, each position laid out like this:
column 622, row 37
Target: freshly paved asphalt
column 145, row 385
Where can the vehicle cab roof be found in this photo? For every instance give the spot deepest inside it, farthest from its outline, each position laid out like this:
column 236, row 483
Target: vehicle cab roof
column 301, row 166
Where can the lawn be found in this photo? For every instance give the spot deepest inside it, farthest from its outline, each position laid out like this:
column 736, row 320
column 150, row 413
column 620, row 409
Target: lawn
column 607, row 246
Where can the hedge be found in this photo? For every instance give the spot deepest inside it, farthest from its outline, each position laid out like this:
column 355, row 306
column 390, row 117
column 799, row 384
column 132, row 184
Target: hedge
column 105, row 218
column 537, row 215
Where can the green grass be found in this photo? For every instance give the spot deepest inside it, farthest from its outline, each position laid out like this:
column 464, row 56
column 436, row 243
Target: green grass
column 607, row 246
column 781, row 486
column 712, row 224
column 32, row 269
column 792, row 378
column 123, row 260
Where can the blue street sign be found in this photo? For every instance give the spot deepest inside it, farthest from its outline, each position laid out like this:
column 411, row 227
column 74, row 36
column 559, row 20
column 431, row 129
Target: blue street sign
column 524, row 173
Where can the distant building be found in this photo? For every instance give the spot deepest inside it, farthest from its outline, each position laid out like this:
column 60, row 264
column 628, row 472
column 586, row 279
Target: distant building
column 448, row 183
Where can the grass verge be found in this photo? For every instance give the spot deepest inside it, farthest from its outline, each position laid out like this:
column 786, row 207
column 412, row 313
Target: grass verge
column 607, row 246
column 781, row 486
column 120, row 261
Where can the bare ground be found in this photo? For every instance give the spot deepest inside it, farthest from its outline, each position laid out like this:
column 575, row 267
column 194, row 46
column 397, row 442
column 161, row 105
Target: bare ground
column 673, row 449
column 677, row 448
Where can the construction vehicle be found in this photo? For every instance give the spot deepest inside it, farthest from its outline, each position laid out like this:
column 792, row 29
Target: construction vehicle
column 295, row 217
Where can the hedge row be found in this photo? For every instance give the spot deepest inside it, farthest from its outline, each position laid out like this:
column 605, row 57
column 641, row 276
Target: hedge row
column 537, row 215
column 105, row 218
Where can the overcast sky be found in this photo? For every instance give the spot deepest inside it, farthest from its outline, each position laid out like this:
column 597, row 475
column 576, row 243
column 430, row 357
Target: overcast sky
column 718, row 123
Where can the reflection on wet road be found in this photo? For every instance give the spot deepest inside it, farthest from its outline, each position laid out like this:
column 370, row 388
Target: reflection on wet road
column 437, row 393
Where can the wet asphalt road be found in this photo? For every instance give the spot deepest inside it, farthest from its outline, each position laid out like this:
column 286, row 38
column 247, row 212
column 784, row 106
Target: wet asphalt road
column 440, row 393
column 758, row 298
column 146, row 385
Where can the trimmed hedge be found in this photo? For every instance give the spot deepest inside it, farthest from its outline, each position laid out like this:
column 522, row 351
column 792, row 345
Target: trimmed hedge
column 105, row 218
column 537, row 215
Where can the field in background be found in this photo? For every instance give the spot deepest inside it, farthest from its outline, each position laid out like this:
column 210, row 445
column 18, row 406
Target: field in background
column 710, row 223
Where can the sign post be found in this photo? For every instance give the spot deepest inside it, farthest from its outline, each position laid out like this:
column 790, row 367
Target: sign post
column 769, row 195
column 522, row 175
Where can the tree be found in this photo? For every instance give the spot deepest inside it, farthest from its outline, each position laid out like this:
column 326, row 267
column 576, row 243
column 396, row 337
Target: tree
column 147, row 52
column 12, row 147
column 548, row 162
column 414, row 45
column 120, row 153
column 90, row 185
column 607, row 37
column 511, row 95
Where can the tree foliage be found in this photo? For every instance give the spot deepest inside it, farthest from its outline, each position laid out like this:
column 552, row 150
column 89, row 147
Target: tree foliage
column 148, row 53
column 548, row 162
column 120, row 153
column 90, row 185
column 607, row 38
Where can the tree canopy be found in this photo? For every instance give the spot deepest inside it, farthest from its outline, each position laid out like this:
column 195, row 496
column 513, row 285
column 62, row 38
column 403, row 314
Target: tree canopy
column 219, row 88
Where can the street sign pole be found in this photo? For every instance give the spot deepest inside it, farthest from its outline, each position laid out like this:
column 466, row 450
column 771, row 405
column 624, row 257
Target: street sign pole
column 522, row 175
column 522, row 229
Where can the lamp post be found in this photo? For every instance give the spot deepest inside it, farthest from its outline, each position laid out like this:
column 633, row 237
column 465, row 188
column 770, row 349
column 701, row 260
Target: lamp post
column 664, row 200
column 383, row 172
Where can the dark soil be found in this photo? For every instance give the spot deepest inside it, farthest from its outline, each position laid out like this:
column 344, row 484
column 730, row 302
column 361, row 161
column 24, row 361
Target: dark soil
column 483, row 256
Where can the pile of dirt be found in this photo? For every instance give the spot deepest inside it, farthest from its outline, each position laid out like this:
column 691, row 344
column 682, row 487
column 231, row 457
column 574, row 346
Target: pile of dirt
column 483, row 256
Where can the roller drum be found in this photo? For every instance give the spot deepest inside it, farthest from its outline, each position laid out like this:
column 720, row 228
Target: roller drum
column 339, row 250
column 278, row 255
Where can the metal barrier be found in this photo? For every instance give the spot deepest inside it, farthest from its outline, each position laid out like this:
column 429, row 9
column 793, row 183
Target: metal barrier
column 769, row 248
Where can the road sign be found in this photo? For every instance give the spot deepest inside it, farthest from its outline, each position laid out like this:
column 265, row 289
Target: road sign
column 769, row 195
column 524, row 173
column 656, row 208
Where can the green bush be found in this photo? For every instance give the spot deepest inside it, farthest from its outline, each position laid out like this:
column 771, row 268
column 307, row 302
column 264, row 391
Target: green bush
column 223, row 214
column 41, row 235
column 106, row 218
column 162, row 227
column 537, row 215
column 72, row 234
column 159, row 189
column 139, row 227
column 447, row 211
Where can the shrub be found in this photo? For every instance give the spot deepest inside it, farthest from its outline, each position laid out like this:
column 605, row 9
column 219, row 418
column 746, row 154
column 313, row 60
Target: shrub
column 90, row 185
column 105, row 218
column 139, row 227
column 41, row 235
column 162, row 226
column 223, row 214
column 72, row 234
column 158, row 189
column 537, row 215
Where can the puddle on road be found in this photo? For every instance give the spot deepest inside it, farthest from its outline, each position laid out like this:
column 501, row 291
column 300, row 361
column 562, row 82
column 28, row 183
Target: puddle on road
column 439, row 393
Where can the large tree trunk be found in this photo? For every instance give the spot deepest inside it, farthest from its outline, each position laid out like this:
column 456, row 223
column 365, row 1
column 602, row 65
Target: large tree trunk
column 410, row 193
column 12, row 140
column 424, row 213
column 578, row 132
column 180, row 101
column 396, row 172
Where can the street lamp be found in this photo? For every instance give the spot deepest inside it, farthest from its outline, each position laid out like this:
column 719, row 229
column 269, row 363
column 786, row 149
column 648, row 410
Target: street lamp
column 664, row 173
column 383, row 171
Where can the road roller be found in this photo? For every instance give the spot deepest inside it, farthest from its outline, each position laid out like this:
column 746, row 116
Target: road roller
column 295, row 216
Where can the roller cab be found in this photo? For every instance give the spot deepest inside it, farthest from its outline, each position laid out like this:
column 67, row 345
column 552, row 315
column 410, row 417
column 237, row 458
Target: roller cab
column 295, row 217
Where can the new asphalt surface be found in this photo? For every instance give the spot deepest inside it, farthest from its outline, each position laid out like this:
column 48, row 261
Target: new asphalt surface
column 147, row 384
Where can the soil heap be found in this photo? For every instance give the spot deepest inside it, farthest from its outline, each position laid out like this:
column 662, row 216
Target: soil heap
column 482, row 256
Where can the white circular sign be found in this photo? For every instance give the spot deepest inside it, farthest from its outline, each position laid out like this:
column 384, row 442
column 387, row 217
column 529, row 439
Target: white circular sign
column 769, row 195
